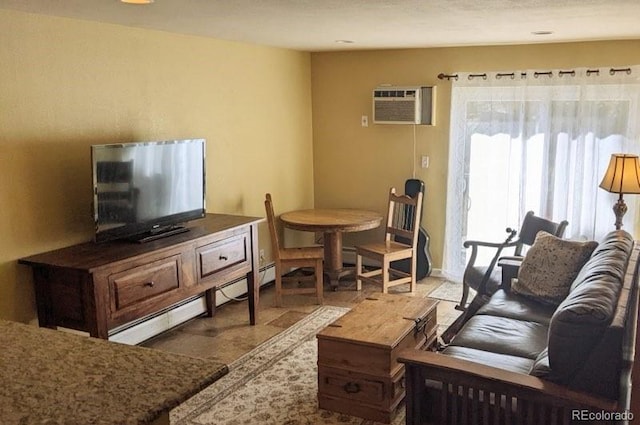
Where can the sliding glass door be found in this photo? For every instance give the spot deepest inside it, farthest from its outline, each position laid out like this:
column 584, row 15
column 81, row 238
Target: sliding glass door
column 535, row 144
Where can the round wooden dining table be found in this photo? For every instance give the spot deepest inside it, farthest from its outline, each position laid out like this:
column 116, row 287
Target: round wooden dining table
column 332, row 223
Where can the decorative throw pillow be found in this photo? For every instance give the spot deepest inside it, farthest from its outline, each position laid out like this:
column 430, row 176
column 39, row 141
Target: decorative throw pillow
column 550, row 266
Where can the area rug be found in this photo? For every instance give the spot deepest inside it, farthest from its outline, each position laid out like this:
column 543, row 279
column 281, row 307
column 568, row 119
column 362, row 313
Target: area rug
column 276, row 383
column 450, row 291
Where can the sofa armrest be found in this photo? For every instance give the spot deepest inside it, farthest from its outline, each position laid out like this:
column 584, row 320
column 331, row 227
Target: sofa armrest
column 470, row 390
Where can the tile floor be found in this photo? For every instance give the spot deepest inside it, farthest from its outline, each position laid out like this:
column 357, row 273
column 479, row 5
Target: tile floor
column 227, row 335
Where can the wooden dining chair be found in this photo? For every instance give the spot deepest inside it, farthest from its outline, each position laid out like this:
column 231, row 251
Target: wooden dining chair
column 289, row 258
column 403, row 217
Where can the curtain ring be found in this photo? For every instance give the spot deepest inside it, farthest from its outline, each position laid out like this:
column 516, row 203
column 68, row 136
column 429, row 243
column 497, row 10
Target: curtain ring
column 472, row 76
column 548, row 73
column 613, row 71
column 443, row 76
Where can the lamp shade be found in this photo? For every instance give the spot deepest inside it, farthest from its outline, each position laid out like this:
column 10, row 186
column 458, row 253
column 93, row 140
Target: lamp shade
column 623, row 174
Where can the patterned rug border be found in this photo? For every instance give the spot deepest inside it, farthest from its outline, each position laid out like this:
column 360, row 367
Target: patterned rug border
column 249, row 365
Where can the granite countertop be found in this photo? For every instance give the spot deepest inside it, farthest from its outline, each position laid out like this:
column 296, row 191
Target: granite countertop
column 54, row 377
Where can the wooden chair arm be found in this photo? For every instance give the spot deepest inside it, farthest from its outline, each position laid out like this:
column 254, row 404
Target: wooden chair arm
column 510, row 266
column 511, row 259
column 471, row 244
column 449, row 369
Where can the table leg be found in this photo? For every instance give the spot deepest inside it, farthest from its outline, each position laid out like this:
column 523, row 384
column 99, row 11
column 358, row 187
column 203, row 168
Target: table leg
column 253, row 282
column 333, row 257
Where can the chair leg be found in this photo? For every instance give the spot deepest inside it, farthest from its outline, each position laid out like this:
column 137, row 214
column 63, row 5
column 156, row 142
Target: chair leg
column 463, row 301
column 385, row 276
column 319, row 282
column 414, row 265
column 278, row 287
column 358, row 272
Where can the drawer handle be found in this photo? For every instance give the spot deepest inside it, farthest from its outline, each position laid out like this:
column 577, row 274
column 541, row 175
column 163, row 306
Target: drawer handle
column 223, row 258
column 150, row 284
column 351, row 388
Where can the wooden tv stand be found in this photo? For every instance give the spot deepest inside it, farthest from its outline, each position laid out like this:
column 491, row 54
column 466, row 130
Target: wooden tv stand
column 98, row 287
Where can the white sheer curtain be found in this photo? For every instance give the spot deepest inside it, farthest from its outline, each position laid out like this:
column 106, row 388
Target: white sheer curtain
column 541, row 141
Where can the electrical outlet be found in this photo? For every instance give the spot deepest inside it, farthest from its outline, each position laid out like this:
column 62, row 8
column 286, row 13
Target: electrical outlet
column 425, row 161
column 262, row 256
column 365, row 121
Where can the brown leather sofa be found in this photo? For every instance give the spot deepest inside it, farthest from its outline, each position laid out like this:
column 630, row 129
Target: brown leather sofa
column 517, row 360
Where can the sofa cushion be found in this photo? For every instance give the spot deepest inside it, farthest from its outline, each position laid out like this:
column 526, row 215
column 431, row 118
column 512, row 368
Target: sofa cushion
column 541, row 367
column 502, row 361
column 580, row 320
column 514, row 306
column 550, row 267
column 503, row 335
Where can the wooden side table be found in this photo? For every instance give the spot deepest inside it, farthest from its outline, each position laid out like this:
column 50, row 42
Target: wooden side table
column 358, row 372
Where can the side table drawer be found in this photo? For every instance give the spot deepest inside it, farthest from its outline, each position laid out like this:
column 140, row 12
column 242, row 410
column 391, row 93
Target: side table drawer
column 351, row 386
column 225, row 255
column 141, row 283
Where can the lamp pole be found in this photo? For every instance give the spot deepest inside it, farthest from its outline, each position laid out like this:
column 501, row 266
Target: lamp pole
column 619, row 209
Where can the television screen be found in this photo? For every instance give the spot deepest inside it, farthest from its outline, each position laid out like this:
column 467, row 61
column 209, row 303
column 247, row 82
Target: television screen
column 145, row 190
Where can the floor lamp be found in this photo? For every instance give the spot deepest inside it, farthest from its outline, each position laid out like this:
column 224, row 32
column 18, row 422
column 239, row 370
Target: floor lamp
column 622, row 176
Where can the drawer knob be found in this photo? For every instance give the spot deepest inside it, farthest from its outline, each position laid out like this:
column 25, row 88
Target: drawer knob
column 223, row 258
column 351, row 387
column 150, row 284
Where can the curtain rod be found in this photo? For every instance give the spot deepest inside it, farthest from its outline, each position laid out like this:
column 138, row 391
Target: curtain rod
column 536, row 74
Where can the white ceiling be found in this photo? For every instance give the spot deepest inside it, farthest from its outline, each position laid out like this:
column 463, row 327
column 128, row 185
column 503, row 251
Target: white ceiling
column 315, row 25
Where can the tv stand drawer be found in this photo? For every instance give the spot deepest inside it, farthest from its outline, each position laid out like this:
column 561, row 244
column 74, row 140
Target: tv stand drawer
column 224, row 256
column 141, row 283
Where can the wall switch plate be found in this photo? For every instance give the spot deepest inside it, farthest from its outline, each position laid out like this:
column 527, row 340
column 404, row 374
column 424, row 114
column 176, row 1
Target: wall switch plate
column 425, row 161
column 365, row 121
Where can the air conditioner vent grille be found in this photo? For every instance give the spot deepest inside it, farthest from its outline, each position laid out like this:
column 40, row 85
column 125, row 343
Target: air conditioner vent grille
column 403, row 105
column 395, row 93
column 395, row 110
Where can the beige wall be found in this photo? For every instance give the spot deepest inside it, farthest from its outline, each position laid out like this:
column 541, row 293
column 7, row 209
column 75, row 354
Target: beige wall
column 67, row 84
column 355, row 166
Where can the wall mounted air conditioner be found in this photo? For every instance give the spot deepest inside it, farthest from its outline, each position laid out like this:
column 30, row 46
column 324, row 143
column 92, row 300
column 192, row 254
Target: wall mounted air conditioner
column 404, row 105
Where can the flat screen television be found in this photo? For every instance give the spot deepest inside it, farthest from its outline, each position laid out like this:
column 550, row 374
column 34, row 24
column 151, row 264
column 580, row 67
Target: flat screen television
column 143, row 191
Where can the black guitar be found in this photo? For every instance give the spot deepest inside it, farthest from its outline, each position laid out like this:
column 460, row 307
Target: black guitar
column 423, row 260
